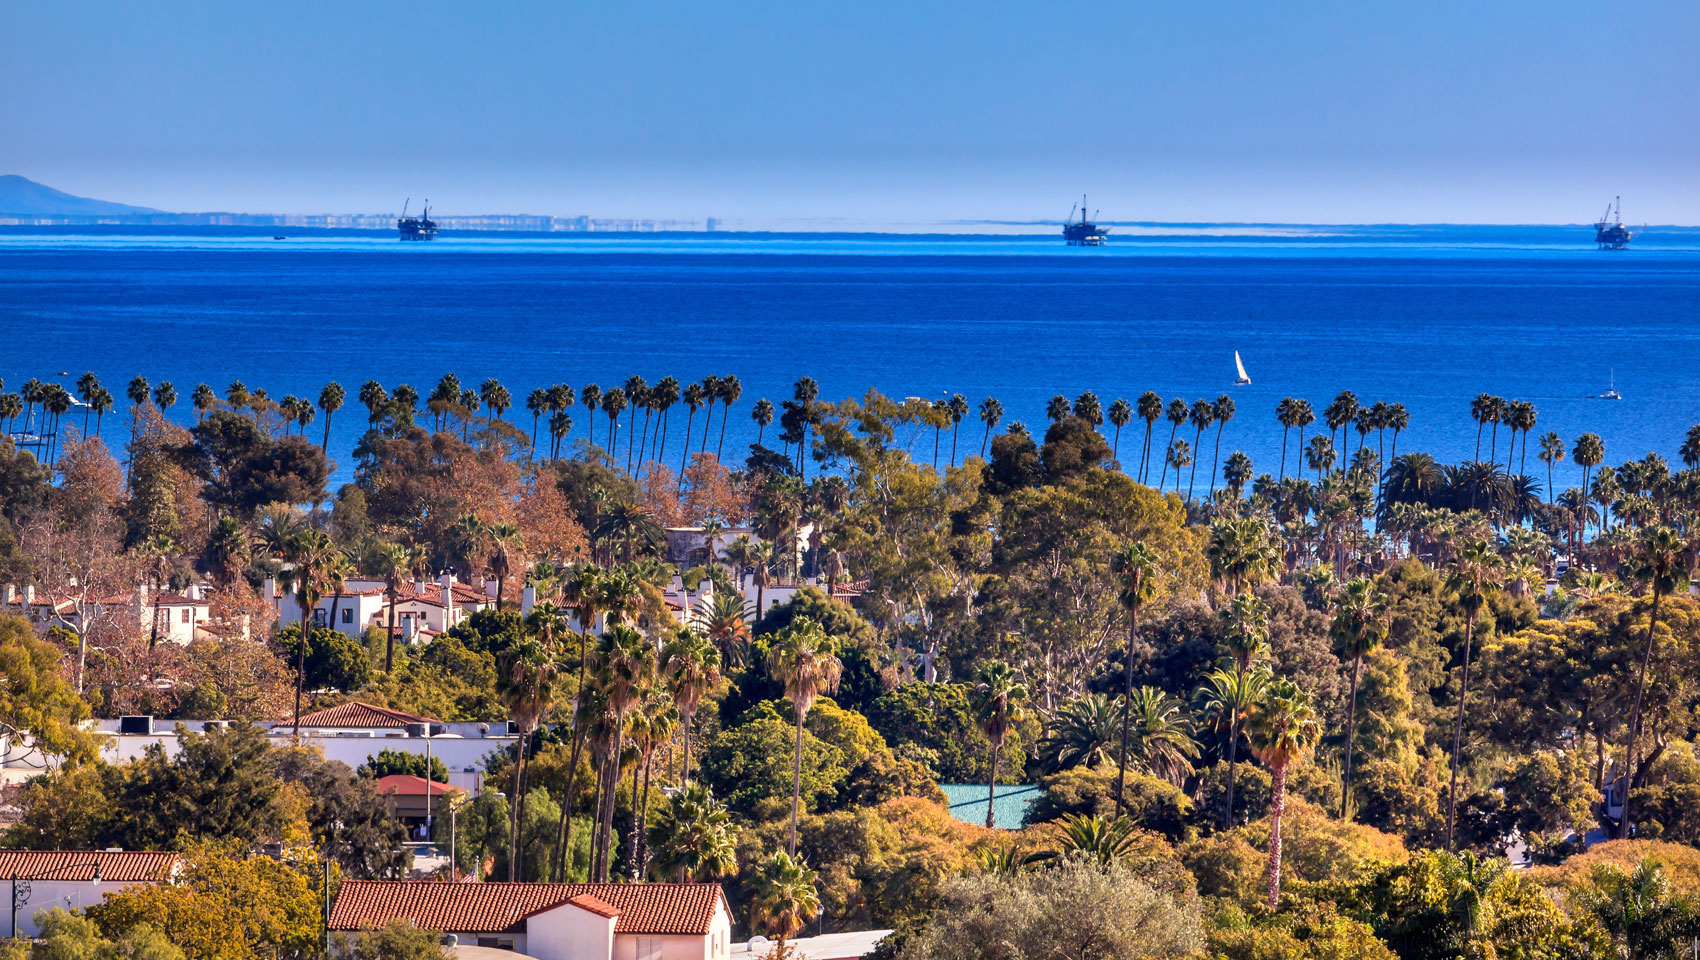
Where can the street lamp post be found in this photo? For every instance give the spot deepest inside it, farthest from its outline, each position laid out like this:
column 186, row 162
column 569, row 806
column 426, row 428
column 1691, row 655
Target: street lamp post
column 21, row 886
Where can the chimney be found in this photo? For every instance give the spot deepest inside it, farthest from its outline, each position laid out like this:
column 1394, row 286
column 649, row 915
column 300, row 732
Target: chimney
column 8, row 594
column 419, row 588
column 527, row 600
column 447, row 596
column 29, row 594
column 194, row 591
column 491, row 585
column 269, row 589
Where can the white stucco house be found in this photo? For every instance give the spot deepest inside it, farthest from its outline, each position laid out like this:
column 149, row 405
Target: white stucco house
column 423, row 609
column 39, row 880
column 551, row 921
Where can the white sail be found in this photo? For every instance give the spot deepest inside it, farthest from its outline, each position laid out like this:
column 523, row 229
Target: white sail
column 1240, row 366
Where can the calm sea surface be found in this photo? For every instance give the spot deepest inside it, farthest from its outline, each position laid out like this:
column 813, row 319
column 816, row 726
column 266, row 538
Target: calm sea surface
column 1426, row 316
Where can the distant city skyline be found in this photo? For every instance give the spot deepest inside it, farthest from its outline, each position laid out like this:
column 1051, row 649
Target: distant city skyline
column 1519, row 112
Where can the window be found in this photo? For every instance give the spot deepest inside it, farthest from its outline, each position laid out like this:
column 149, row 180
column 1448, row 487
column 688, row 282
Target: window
column 497, row 943
column 648, row 948
column 186, row 613
column 347, row 615
column 318, row 616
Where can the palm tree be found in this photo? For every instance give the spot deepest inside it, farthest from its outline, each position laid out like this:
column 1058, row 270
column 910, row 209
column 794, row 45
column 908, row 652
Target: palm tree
column 1588, row 453
column 101, row 402
column 729, row 392
column 591, row 397
column 1552, row 451
column 1340, row 413
column 1398, row 418
column 991, row 414
column 1472, row 578
column 330, row 401
column 957, row 407
column 1320, row 455
column 1179, row 457
column 785, row 898
column 1000, row 702
column 137, row 392
column 1177, row 413
column 311, row 554
column 165, row 396
column 1284, row 416
column 762, row 414
column 1203, row 414
column 691, row 664
column 802, row 660
column 1150, row 409
column 1246, row 635
column 1121, row 414
column 1135, row 567
column 1523, row 417
column 626, row 664
column 505, row 542
column 1481, row 410
column 1236, row 472
column 1160, row 737
column 631, row 526
column 1303, row 416
column 1242, row 552
column 1227, row 697
column 1663, row 558
column 526, row 684
column 1360, row 625
column 397, row 561
column 1082, row 732
column 87, row 384
column 1282, row 731
column 1222, row 413
column 761, row 571
column 662, row 396
column 1057, row 409
column 694, row 396
column 724, row 616
column 692, row 838
column 1095, row 838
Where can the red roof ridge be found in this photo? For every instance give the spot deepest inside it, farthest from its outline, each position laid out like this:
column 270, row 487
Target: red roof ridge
column 595, row 905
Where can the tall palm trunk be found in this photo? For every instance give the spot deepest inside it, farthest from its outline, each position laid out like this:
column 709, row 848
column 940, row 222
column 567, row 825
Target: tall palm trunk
column 633, row 838
column 720, row 447
column 1127, row 711
column 1635, row 716
column 595, row 871
column 1164, row 475
column 643, row 444
column 389, row 637
column 1216, row 458
column 685, row 461
column 685, row 776
column 1283, row 474
column 796, row 785
column 564, row 826
column 955, row 427
column 1351, row 732
column 1458, row 735
column 1233, row 757
column 513, row 810
column 1193, row 473
column 643, row 822
column 610, row 799
column 1277, row 806
column 992, row 785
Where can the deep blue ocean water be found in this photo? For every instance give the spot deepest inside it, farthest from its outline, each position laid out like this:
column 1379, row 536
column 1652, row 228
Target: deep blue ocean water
column 1428, row 316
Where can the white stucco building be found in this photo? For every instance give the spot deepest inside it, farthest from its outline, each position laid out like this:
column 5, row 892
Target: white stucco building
column 39, row 880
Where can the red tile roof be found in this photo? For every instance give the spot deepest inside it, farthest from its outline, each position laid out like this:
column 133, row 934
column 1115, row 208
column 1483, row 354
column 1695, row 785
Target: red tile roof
column 125, row 866
column 408, row 785
column 680, row 909
column 357, row 714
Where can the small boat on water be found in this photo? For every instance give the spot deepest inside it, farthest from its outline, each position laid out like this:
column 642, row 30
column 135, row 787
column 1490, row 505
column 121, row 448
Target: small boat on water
column 1611, row 391
column 1239, row 365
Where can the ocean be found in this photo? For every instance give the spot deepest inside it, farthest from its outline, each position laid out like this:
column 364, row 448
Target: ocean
column 1427, row 316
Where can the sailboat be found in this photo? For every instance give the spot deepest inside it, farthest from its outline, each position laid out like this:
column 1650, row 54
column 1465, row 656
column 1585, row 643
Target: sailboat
column 1611, row 391
column 1240, row 366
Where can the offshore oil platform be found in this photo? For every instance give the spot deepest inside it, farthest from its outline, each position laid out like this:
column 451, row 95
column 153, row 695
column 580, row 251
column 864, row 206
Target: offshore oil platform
column 421, row 227
column 1610, row 233
column 1083, row 232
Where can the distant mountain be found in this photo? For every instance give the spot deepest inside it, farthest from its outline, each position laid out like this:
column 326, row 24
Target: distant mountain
column 20, row 195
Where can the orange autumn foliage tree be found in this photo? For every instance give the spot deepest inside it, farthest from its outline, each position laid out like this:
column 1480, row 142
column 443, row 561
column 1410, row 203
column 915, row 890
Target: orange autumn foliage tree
column 710, row 494
column 545, row 519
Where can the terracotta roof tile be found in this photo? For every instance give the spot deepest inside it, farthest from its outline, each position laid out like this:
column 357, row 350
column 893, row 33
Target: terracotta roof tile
column 116, row 865
column 682, row 909
column 408, row 785
column 357, row 714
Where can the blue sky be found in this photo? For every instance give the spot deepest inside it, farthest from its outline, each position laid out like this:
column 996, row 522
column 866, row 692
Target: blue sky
column 892, row 112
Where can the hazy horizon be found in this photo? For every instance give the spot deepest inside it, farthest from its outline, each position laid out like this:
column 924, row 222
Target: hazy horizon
column 1310, row 113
